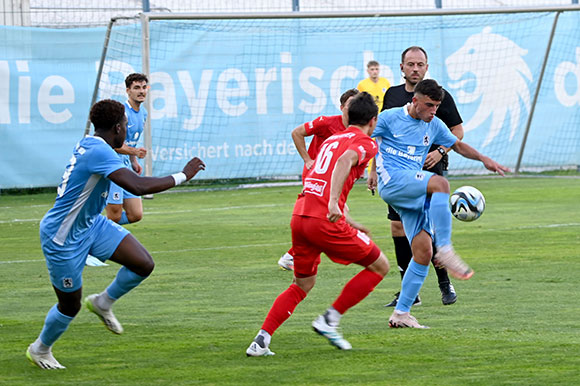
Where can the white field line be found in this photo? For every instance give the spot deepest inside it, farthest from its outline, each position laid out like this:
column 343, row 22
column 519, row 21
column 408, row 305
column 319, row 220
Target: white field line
column 216, row 209
column 288, row 243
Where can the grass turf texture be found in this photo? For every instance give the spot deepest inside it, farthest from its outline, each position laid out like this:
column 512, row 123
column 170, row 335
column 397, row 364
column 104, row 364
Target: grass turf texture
column 515, row 322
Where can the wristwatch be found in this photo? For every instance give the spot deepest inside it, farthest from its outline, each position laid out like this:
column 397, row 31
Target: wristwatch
column 441, row 151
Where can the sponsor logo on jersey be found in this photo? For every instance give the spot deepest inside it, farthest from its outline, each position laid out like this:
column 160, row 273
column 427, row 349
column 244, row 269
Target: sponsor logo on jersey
column 314, row 186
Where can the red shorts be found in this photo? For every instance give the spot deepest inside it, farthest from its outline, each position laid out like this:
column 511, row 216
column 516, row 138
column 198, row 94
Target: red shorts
column 339, row 241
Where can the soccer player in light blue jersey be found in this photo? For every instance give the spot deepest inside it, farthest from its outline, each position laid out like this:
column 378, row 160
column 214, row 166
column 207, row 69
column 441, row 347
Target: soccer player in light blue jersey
column 74, row 227
column 123, row 207
column 421, row 198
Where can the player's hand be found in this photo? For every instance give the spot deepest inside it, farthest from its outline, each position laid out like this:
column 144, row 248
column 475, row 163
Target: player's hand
column 372, row 181
column 140, row 152
column 192, row 167
column 309, row 164
column 432, row 159
column 334, row 213
column 495, row 167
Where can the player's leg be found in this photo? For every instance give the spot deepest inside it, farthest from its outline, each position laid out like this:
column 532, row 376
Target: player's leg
column 307, row 259
column 117, row 244
column 347, row 245
column 133, row 207
column 403, row 251
column 448, row 294
column 414, row 278
column 65, row 271
column 440, row 216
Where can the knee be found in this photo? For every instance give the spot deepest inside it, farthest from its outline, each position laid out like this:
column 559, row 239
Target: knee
column 71, row 308
column 134, row 217
column 146, row 268
column 380, row 266
column 114, row 214
column 439, row 184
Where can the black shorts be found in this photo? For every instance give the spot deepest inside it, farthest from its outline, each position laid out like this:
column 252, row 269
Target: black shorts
column 437, row 169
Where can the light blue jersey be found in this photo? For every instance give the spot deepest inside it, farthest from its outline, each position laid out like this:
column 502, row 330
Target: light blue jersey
column 405, row 141
column 403, row 146
column 135, row 125
column 82, row 193
column 74, row 226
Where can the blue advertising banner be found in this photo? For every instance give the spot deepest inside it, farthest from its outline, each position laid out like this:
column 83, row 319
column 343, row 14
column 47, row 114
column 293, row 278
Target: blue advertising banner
column 231, row 91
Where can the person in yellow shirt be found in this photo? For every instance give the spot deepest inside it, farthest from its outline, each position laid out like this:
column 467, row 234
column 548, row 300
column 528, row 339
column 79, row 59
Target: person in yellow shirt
column 375, row 85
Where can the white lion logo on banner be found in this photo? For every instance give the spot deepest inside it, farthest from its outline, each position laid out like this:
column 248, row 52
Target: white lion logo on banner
column 500, row 80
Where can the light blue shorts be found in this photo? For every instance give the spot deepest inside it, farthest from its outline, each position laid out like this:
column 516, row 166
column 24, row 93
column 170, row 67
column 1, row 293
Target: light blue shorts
column 118, row 194
column 66, row 262
column 406, row 192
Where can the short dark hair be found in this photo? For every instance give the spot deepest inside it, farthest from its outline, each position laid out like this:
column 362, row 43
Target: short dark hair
column 106, row 113
column 413, row 48
column 361, row 109
column 430, row 88
column 347, row 94
column 135, row 77
column 372, row 63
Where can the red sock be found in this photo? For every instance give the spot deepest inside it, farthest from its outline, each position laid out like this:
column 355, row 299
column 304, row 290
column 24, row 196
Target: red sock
column 356, row 290
column 283, row 307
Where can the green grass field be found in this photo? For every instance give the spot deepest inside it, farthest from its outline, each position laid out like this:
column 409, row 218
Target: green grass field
column 517, row 321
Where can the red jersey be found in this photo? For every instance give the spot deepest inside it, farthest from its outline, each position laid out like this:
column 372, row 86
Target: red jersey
column 313, row 201
column 322, row 128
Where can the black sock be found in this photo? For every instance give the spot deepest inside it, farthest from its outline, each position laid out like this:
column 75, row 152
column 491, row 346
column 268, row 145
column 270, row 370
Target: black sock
column 442, row 276
column 403, row 253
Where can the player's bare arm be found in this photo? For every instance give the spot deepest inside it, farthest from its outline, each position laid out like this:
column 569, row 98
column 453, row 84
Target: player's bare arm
column 339, row 175
column 138, row 185
column 469, row 152
column 298, row 135
column 372, row 180
column 140, row 152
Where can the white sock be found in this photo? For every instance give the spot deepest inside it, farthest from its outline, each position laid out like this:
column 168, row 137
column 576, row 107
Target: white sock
column 40, row 348
column 266, row 336
column 332, row 317
column 104, row 301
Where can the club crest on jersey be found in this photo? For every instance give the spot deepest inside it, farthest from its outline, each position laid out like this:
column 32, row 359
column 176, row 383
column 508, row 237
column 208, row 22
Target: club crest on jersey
column 426, row 140
column 116, row 196
column 314, row 186
column 420, row 176
column 67, row 282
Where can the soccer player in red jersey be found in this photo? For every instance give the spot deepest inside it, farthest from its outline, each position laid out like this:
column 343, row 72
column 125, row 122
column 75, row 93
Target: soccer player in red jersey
column 320, row 129
column 320, row 224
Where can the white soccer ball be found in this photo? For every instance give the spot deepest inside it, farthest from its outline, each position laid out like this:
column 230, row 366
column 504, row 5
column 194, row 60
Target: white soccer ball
column 467, row 203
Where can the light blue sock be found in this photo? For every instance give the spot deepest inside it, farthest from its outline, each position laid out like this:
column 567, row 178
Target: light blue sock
column 125, row 281
column 55, row 325
column 124, row 220
column 441, row 218
column 411, row 285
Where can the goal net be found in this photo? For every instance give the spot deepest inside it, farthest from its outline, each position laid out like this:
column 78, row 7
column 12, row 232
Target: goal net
column 231, row 90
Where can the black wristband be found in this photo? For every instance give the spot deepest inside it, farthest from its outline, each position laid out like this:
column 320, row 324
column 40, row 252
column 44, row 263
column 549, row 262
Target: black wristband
column 441, row 151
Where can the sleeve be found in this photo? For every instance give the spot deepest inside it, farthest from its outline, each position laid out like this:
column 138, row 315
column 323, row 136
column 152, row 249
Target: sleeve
column 385, row 99
column 366, row 149
column 381, row 127
column 448, row 112
column 317, row 126
column 104, row 161
column 443, row 135
column 360, row 86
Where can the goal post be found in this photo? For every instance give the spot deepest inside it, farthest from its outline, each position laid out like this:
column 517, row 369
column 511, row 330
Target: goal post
column 230, row 88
